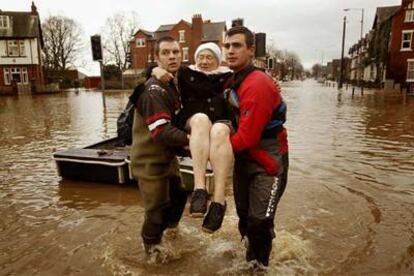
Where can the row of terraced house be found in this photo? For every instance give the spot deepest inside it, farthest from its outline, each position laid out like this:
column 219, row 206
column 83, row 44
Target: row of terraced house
column 385, row 55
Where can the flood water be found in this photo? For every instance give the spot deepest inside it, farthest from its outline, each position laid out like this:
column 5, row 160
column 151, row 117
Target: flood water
column 348, row 208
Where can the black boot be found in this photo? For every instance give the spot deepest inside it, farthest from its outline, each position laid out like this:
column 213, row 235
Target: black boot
column 263, row 255
column 249, row 250
column 198, row 205
column 214, row 218
column 259, row 248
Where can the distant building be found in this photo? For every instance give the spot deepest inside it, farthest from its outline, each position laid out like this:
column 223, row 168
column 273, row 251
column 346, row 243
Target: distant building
column 21, row 45
column 92, row 82
column 333, row 69
column 189, row 35
column 359, row 59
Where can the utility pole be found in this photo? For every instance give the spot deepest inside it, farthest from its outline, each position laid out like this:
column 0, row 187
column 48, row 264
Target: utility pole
column 361, row 77
column 341, row 74
column 362, row 22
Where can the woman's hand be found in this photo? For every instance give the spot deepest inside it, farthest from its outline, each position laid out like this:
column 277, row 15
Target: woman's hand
column 162, row 75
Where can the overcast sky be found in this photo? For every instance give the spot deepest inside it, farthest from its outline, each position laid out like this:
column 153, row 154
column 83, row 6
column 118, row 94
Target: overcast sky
column 311, row 28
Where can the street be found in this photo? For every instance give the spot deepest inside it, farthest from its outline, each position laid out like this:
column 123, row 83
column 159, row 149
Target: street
column 348, row 207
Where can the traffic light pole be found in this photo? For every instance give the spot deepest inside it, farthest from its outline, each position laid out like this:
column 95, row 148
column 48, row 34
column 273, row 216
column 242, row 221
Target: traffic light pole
column 102, row 83
column 102, row 76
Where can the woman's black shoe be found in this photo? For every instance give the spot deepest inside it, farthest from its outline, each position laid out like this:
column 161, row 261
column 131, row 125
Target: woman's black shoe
column 198, row 205
column 214, row 217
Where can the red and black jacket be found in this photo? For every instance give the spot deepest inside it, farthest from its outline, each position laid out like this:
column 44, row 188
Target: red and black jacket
column 259, row 102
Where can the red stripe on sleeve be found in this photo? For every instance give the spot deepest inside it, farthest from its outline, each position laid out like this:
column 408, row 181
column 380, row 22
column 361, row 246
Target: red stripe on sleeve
column 157, row 116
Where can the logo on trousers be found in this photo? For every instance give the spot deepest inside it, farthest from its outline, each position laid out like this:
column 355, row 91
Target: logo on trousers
column 272, row 201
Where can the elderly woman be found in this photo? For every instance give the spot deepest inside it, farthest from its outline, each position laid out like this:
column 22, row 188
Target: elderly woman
column 204, row 115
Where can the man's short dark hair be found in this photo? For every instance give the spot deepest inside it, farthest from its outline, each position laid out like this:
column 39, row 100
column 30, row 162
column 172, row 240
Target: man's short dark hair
column 163, row 39
column 248, row 35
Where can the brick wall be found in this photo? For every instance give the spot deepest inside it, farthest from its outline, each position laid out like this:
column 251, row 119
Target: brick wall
column 397, row 65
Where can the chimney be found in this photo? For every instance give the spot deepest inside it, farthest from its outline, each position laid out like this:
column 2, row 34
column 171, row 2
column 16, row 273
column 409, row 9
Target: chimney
column 34, row 9
column 197, row 25
column 197, row 34
column 237, row 22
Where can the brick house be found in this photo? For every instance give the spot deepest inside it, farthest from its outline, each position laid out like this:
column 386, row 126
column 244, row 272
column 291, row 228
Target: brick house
column 381, row 29
column 21, row 46
column 400, row 66
column 189, row 35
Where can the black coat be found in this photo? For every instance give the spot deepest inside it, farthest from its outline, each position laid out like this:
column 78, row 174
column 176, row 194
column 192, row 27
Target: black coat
column 202, row 93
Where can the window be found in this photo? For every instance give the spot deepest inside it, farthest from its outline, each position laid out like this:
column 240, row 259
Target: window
column 181, row 36
column 13, row 48
column 409, row 16
column 406, row 40
column 15, row 74
column 21, row 48
column 372, row 72
column 24, row 75
column 4, row 21
column 185, row 54
column 7, row 80
column 410, row 70
column 409, row 13
column 140, row 42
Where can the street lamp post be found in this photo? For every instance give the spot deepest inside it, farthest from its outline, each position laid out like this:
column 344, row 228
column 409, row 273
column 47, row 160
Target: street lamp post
column 341, row 74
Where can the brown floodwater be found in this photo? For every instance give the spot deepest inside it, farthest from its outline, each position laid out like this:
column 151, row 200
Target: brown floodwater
column 348, row 208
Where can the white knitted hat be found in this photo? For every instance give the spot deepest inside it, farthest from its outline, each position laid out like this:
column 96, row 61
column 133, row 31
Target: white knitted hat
column 209, row 46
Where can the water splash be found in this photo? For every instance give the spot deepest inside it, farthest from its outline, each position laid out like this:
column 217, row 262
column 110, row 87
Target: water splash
column 291, row 255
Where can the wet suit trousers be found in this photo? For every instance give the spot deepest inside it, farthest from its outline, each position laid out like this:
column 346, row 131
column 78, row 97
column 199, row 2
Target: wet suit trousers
column 164, row 202
column 257, row 195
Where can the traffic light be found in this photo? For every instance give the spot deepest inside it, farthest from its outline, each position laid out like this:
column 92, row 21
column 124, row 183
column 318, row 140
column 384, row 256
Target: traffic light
column 270, row 62
column 96, row 47
column 260, row 44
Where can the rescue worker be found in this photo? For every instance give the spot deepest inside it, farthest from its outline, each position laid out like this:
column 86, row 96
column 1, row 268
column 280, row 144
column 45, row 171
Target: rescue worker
column 260, row 177
column 153, row 154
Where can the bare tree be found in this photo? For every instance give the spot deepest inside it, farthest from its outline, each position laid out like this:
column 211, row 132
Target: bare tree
column 117, row 32
column 289, row 61
column 63, row 42
column 317, row 70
